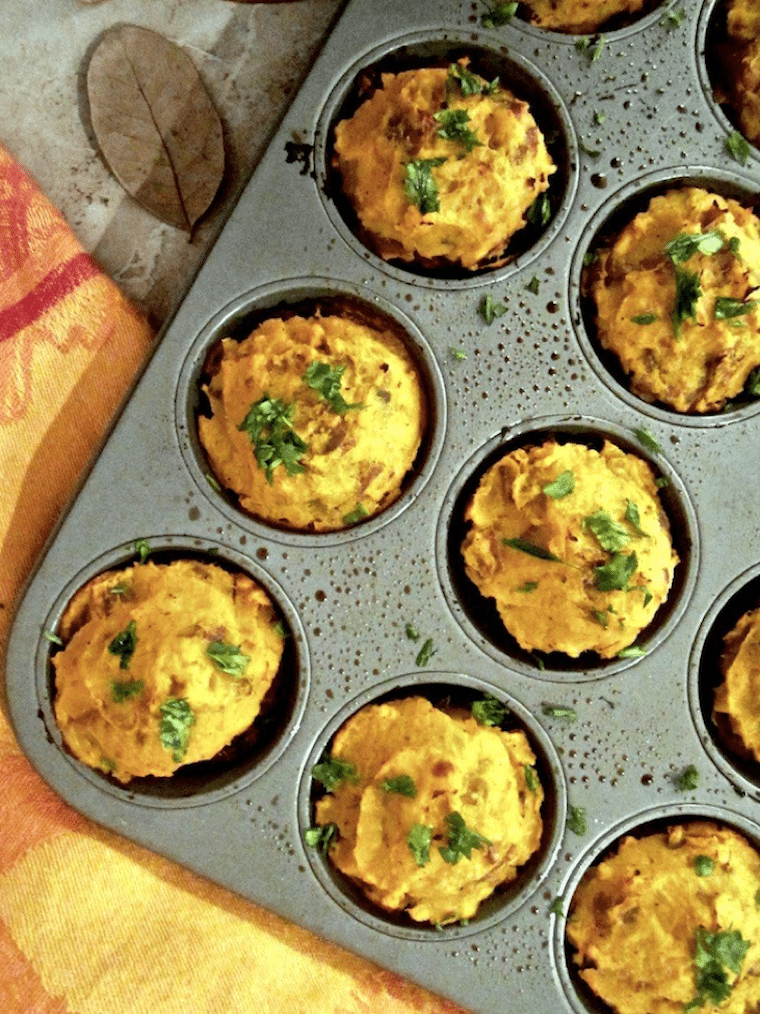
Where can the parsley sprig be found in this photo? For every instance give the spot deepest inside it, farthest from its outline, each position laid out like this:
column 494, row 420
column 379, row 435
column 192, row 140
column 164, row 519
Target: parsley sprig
column 420, row 187
column 228, row 657
column 177, row 719
column 269, row 426
column 124, row 644
column 326, row 380
column 453, row 126
column 461, row 840
column 715, row 955
column 332, row 771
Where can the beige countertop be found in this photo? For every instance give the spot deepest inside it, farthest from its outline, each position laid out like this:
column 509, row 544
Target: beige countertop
column 251, row 57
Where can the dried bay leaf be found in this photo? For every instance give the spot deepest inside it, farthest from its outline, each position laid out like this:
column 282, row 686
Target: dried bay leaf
column 155, row 123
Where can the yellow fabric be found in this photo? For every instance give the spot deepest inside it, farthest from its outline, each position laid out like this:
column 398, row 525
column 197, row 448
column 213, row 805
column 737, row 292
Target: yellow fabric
column 90, row 922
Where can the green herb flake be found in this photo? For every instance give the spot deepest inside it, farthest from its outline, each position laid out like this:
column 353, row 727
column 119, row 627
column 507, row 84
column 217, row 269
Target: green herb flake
column 540, row 211
column 461, row 840
column 325, row 380
column 576, row 820
column 556, row 907
column 525, row 546
column 686, row 244
column 489, row 309
column 533, row 285
column 728, row 308
column 419, row 839
column 177, row 719
column 141, row 548
column 425, row 653
column 716, row 954
column 49, row 635
column 753, row 383
column 124, row 644
column 269, row 426
column 688, row 291
column 528, row 586
column 559, row 711
column 469, row 83
column 321, row 836
column 531, row 778
column 704, row 866
column 689, row 779
column 402, row 785
column 499, row 15
column 331, row 771
column 633, row 517
column 632, row 651
column 458, row 354
column 737, row 146
column 647, row 440
column 601, row 618
column 228, row 657
column 489, row 711
column 563, row 485
column 453, row 126
column 419, row 186
column 616, row 574
column 592, row 49
column 644, row 318
column 356, row 515
column 411, row 632
column 673, row 19
column 124, row 690
column 611, row 535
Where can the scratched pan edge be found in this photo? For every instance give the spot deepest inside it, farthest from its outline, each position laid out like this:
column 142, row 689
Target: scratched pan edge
column 349, row 599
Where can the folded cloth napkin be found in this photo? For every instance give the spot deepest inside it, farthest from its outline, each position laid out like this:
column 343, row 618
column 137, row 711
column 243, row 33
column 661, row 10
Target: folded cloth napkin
column 89, row 922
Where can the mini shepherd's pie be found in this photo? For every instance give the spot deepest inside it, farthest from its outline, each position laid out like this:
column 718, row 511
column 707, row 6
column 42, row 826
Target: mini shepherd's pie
column 578, row 17
column 163, row 665
column 429, row 811
column 572, row 544
column 315, row 421
column 670, row 923
column 737, row 698
column 442, row 167
column 741, row 64
column 676, row 299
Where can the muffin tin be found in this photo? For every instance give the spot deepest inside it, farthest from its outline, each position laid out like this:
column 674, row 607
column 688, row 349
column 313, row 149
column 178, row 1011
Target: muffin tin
column 629, row 111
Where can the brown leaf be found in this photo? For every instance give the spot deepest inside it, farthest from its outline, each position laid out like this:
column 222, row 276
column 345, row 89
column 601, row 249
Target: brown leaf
column 156, row 126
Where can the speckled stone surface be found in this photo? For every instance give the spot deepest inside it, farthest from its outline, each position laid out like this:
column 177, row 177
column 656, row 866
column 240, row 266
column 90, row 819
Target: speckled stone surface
column 252, row 58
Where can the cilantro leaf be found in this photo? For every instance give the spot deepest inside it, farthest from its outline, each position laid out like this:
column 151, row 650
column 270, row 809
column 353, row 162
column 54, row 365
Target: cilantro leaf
column 332, row 771
column 633, row 517
column 177, row 719
column 489, row 711
column 469, row 83
column 727, row 308
column 531, row 778
column 576, row 820
column 425, row 653
column 647, row 440
column 689, row 779
column 325, row 380
column 615, row 575
column 644, row 318
column 419, row 186
column 737, row 146
column 228, row 657
column 540, row 211
column 525, row 546
column 123, row 690
column 610, row 534
column 321, row 836
column 418, row 839
column 356, row 515
column 686, row 244
column 561, row 486
column 453, row 127
column 142, row 549
column 268, row 424
column 559, row 711
column 713, row 954
column 403, row 785
column 124, row 644
column 490, row 309
column 461, row 840
column 499, row 15
column 688, row 291
column 704, row 866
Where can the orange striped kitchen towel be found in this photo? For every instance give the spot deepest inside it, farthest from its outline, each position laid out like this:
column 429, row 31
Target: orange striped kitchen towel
column 89, row 922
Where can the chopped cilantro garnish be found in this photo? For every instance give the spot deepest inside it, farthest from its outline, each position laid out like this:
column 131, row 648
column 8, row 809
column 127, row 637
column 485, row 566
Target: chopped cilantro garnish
column 688, row 291
column 490, row 309
column 461, row 840
column 525, row 546
column 644, row 318
column 689, row 779
column 561, row 486
column 456, row 353
column 615, row 575
column 177, row 719
column 325, row 380
column 49, row 635
column 142, row 549
column 559, row 711
column 610, row 534
column 453, row 127
column 715, row 954
column 556, row 907
column 469, row 83
column 704, row 866
column 123, row 690
column 499, row 15
column 425, row 653
column 531, row 778
column 647, row 440
column 593, row 50
column 419, row 185
column 321, row 836
column 528, row 586
column 753, row 383
column 489, row 711
column 540, row 211
column 737, row 146
column 332, row 771
column 418, row 839
column 357, row 514
column 269, row 426
column 603, row 619
column 411, row 632
column 403, row 785
column 533, row 285
column 124, row 644
column 727, row 308
column 576, row 820
column 228, row 657
column 686, row 244
column 632, row 651
column 673, row 18
column 633, row 517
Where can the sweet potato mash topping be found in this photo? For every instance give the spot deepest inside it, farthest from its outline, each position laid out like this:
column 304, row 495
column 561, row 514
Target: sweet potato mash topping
column 315, row 421
column 163, row 665
column 737, row 699
column 435, row 810
column 577, row 16
column 572, row 544
column 741, row 64
column 670, row 923
column 683, row 319
column 442, row 166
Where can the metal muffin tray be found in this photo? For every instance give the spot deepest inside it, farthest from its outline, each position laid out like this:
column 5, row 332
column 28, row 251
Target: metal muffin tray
column 628, row 112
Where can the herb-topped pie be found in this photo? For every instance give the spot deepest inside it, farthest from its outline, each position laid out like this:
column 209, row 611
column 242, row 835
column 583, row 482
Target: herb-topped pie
column 676, row 298
column 315, row 421
column 670, row 923
column 576, row 17
column 443, row 167
column 741, row 65
column 737, row 699
column 573, row 546
column 163, row 665
column 428, row 810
